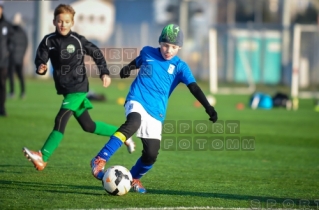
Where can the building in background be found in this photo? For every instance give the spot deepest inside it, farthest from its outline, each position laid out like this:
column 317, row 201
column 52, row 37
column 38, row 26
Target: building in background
column 136, row 23
column 94, row 19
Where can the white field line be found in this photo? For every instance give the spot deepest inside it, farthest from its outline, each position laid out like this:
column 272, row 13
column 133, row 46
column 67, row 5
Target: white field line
column 185, row 208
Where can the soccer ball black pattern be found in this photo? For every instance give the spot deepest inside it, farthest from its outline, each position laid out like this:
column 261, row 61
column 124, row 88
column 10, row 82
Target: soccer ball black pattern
column 117, row 180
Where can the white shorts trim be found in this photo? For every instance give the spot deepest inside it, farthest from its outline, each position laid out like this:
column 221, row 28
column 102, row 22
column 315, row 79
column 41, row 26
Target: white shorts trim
column 150, row 127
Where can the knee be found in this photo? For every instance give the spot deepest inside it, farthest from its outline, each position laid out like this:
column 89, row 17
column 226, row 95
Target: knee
column 149, row 157
column 88, row 127
column 131, row 125
column 134, row 120
column 61, row 120
column 150, row 152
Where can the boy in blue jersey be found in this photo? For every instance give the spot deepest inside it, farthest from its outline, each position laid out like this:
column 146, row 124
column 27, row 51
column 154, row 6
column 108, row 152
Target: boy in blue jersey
column 161, row 70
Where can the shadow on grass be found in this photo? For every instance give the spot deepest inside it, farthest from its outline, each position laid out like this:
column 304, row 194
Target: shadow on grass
column 255, row 201
column 49, row 187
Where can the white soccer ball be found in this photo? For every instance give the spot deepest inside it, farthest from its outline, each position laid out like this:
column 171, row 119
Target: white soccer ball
column 211, row 100
column 117, row 180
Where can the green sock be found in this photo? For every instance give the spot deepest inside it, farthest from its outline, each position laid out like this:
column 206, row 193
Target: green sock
column 104, row 129
column 51, row 144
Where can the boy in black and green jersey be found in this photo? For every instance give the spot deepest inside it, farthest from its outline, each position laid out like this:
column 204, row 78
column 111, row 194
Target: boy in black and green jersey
column 66, row 50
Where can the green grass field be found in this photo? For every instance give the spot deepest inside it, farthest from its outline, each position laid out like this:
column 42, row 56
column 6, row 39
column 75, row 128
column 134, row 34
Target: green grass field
column 281, row 172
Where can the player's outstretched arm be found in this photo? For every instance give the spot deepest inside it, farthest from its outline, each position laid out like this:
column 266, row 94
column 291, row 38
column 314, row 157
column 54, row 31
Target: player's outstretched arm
column 200, row 96
column 126, row 70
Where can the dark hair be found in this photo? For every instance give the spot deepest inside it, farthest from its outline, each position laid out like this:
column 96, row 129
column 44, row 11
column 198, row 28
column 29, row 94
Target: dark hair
column 64, row 8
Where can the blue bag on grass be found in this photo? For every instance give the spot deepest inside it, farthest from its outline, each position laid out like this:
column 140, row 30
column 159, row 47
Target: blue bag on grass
column 261, row 100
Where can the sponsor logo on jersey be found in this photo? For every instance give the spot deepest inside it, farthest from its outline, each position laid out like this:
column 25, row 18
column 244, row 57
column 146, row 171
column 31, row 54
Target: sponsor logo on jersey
column 171, row 69
column 70, row 48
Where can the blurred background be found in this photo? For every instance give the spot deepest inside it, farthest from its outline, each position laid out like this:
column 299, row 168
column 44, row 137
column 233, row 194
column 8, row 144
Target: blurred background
column 227, row 42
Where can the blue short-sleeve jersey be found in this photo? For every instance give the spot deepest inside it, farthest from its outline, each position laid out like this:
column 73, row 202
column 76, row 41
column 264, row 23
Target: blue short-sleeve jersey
column 156, row 80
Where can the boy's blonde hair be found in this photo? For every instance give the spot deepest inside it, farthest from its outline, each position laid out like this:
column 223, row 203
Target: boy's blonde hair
column 64, row 8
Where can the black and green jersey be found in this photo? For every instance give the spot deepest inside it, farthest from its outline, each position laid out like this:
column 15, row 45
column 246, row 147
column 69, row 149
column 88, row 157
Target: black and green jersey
column 67, row 57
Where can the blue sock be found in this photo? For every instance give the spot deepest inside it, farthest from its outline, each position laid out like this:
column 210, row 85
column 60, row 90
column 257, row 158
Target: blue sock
column 110, row 148
column 139, row 169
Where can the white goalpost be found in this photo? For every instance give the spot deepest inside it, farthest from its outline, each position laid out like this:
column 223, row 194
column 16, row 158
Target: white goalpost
column 213, row 67
column 303, row 75
column 300, row 65
column 213, row 74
